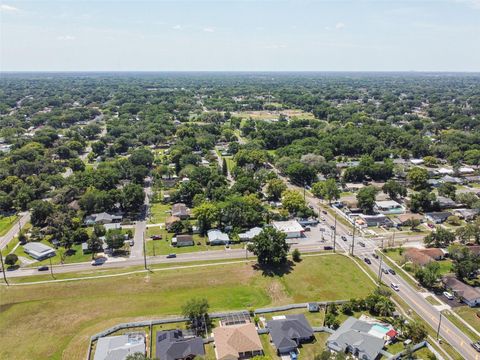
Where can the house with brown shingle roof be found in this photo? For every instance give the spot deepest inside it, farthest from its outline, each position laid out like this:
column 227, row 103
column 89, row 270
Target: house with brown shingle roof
column 237, row 342
column 422, row 257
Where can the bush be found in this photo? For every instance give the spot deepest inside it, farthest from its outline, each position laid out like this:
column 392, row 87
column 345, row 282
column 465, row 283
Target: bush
column 296, row 255
column 11, row 259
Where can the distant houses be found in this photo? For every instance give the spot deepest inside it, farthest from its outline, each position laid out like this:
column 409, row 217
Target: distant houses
column 119, row 347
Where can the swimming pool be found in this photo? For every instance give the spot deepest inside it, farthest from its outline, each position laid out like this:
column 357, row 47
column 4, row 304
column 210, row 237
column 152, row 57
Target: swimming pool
column 379, row 331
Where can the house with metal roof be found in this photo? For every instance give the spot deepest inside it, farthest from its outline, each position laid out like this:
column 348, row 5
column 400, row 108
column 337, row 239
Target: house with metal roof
column 102, row 218
column 290, row 228
column 362, row 339
column 181, row 211
column 173, row 345
column 250, row 234
column 119, row 347
column 38, row 251
column 217, row 237
column 289, row 331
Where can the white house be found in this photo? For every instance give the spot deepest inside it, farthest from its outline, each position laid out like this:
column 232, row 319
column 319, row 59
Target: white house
column 216, row 237
column 250, row 234
column 389, row 207
column 38, row 250
column 291, row 228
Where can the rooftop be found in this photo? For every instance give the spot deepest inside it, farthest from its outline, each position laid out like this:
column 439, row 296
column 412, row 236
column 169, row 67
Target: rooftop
column 231, row 341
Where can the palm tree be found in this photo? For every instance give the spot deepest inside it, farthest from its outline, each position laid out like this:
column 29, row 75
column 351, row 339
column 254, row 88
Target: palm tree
column 385, row 307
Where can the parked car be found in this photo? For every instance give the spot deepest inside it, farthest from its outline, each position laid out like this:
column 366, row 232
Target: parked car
column 362, row 244
column 367, row 260
column 170, row 256
column 448, row 295
column 310, row 206
column 344, row 238
column 156, row 237
column 385, row 270
column 131, row 242
column 375, row 255
column 328, row 247
column 293, row 355
column 43, row 268
column 332, row 227
column 476, row 346
column 431, row 226
column 307, row 229
column 394, row 287
column 324, row 212
column 391, row 271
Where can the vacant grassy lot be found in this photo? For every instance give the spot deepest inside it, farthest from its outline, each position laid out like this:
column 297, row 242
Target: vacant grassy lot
column 6, row 222
column 159, row 212
column 58, row 319
column 469, row 315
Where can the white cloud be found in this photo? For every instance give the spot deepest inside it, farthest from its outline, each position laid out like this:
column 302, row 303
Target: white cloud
column 66, row 37
column 339, row 25
column 5, row 7
column 177, row 27
column 209, row 29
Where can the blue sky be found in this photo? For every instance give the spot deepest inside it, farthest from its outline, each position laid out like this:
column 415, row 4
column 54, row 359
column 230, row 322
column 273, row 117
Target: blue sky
column 241, row 35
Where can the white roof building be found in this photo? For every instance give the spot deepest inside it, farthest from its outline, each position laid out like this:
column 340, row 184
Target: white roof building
column 119, row 347
column 444, row 171
column 416, row 161
column 38, row 250
column 216, row 237
column 291, row 228
column 389, row 207
column 250, row 234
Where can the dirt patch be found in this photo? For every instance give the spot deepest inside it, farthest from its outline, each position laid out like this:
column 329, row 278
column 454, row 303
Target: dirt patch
column 277, row 293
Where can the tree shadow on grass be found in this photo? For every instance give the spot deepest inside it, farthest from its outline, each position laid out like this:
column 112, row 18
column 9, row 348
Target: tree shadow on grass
column 280, row 270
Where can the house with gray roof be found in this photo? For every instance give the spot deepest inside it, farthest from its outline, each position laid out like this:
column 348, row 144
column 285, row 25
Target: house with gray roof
column 38, row 251
column 358, row 338
column 217, row 237
column 119, row 347
column 173, row 345
column 102, row 218
column 289, row 331
column 250, row 234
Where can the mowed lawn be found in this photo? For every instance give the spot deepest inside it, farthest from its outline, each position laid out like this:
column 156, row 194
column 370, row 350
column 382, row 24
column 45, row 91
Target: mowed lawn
column 55, row 321
column 469, row 315
column 6, row 223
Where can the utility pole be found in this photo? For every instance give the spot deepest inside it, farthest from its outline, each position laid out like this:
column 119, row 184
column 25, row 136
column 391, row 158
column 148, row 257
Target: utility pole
column 144, row 251
column 304, row 190
column 380, row 272
column 335, row 234
column 353, row 237
column 439, row 324
column 3, row 268
column 51, row 268
column 393, row 238
column 246, row 252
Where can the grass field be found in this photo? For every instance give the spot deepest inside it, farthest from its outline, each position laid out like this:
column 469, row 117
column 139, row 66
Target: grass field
column 158, row 213
column 6, row 223
column 58, row 319
column 469, row 315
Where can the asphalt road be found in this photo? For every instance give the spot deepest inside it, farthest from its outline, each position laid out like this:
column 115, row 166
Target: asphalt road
column 5, row 239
